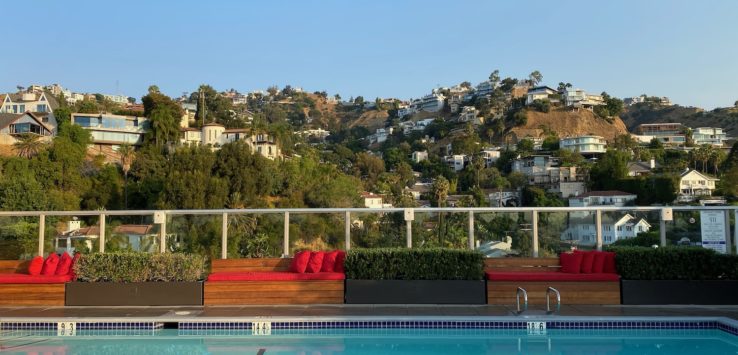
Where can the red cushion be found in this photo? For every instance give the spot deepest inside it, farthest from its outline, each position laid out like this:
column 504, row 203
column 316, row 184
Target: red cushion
column 274, row 276
column 609, row 263
column 316, row 262
column 329, row 261
column 340, row 258
column 74, row 262
column 52, row 261
column 587, row 262
column 548, row 276
column 300, row 262
column 571, row 262
column 598, row 266
column 64, row 264
column 31, row 279
column 37, row 264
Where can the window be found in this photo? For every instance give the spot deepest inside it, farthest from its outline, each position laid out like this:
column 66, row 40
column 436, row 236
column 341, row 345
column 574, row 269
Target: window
column 640, row 228
column 629, row 228
column 620, row 228
column 40, row 108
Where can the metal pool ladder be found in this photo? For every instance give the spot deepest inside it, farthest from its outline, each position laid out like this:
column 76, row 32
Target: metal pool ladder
column 549, row 291
column 525, row 300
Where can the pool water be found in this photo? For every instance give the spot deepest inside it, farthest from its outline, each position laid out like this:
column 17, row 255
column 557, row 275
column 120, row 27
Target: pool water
column 378, row 341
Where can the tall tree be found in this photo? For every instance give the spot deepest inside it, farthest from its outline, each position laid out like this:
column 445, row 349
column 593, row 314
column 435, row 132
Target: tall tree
column 495, row 77
column 164, row 115
column 535, row 77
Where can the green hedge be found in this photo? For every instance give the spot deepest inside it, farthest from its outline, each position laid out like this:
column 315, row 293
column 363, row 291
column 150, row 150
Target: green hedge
column 674, row 263
column 414, row 264
column 139, row 267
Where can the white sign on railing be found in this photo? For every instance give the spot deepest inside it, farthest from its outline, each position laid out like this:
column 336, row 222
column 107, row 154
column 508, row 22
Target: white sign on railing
column 713, row 230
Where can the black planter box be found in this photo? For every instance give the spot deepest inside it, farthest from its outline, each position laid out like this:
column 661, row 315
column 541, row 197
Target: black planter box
column 133, row 294
column 416, row 292
column 709, row 292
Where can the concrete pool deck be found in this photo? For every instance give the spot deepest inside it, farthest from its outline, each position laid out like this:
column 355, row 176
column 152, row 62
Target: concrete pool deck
column 168, row 314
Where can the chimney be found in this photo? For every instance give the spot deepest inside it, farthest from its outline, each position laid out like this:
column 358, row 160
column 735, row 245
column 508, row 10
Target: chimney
column 652, row 163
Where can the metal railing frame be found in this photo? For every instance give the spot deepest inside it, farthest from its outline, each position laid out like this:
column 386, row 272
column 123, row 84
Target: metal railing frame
column 347, row 212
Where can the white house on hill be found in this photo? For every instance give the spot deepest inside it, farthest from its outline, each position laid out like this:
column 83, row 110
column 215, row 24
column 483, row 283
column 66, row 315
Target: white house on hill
column 693, row 184
column 583, row 231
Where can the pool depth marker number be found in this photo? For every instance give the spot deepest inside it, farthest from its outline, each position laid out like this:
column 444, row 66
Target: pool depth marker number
column 66, row 329
column 261, row 328
column 537, row 328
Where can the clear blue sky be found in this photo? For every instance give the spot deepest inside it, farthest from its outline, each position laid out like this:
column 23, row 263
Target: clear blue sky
column 687, row 50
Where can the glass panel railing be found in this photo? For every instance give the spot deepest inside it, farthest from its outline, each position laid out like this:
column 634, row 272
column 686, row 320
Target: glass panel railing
column 378, row 229
column 504, row 234
column 324, row 231
column 18, row 238
column 199, row 234
column 132, row 234
column 255, row 235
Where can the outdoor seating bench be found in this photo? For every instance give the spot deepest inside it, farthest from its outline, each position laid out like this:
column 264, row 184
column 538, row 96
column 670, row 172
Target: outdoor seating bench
column 18, row 288
column 536, row 275
column 267, row 281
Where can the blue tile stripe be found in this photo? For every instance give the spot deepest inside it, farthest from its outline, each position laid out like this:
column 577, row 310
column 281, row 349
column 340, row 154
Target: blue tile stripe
column 83, row 326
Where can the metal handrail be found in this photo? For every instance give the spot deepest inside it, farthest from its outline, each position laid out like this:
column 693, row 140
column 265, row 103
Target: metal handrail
column 525, row 299
column 362, row 210
column 548, row 301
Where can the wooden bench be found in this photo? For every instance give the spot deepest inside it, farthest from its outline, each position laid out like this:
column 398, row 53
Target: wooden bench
column 25, row 294
column 572, row 292
column 268, row 292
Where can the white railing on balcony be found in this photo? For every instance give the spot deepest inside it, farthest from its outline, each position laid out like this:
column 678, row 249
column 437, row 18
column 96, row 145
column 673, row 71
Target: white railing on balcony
column 160, row 219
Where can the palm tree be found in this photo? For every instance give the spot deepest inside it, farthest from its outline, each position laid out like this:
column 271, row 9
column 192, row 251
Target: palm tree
column 126, row 155
column 28, row 145
column 440, row 190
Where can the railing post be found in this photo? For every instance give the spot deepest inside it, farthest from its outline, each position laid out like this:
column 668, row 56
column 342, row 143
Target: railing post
column 102, row 233
column 163, row 236
column 535, row 233
column 347, row 229
column 662, row 229
column 728, row 244
column 224, row 238
column 41, row 234
column 598, row 226
column 409, row 218
column 286, row 240
column 471, row 230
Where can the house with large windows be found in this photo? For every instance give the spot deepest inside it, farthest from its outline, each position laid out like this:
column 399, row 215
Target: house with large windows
column 110, row 130
column 12, row 126
column 709, row 135
column 585, row 144
column 27, row 101
column 546, row 172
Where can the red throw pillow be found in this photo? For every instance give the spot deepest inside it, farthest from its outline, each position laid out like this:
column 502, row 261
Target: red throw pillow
column 571, row 262
column 340, row 258
column 65, row 262
column 329, row 261
column 598, row 266
column 300, row 262
column 587, row 262
column 316, row 262
column 36, row 265
column 52, row 261
column 609, row 263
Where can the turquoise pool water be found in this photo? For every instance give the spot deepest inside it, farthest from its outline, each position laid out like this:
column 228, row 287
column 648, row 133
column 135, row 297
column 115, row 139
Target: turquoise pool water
column 379, row 341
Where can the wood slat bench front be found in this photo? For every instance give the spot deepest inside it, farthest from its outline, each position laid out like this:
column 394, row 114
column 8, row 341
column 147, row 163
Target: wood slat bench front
column 268, row 292
column 572, row 292
column 28, row 294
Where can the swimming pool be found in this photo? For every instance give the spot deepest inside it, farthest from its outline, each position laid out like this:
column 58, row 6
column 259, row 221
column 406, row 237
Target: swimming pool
column 379, row 337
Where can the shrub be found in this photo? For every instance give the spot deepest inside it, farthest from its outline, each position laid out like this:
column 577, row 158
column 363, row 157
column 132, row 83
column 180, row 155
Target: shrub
column 674, row 263
column 139, row 267
column 414, row 264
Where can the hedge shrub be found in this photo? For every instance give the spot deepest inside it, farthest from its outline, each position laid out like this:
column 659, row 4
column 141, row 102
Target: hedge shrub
column 674, row 263
column 139, row 267
column 414, row 264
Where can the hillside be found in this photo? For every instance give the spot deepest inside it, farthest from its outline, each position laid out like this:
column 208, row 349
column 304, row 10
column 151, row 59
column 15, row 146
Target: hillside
column 566, row 123
column 371, row 119
column 727, row 118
